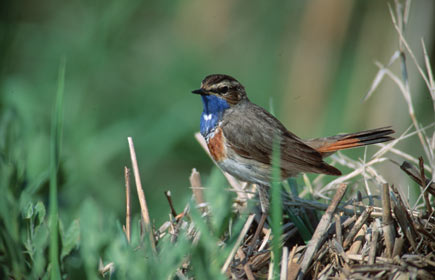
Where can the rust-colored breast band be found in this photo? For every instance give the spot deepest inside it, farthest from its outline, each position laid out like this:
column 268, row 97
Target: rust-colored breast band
column 216, row 145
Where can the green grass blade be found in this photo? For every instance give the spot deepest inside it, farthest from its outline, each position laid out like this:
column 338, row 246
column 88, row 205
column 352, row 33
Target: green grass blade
column 302, row 222
column 302, row 225
column 276, row 207
column 55, row 143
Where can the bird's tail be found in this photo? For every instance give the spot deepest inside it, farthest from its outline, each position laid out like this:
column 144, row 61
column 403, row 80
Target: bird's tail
column 329, row 145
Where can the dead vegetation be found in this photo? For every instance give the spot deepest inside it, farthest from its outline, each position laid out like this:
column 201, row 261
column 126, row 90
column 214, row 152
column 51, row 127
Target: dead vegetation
column 381, row 237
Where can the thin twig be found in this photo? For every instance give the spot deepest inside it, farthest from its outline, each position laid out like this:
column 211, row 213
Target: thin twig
column 246, row 266
column 171, row 205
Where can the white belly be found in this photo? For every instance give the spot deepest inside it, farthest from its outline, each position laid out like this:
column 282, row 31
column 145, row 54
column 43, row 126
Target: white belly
column 245, row 170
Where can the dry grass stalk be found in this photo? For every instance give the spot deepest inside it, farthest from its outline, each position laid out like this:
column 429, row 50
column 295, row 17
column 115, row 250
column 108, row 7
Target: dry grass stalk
column 358, row 224
column 265, row 239
column 196, row 185
column 292, row 266
column 423, row 184
column 398, row 246
column 338, row 231
column 238, row 242
column 321, row 230
column 404, row 86
column 404, row 219
column 339, row 249
column 373, row 243
column 387, row 219
column 127, row 203
column 358, row 240
column 284, row 260
column 415, row 175
column 141, row 194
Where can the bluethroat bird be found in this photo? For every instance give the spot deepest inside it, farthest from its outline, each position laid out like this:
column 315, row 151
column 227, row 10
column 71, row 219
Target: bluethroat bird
column 240, row 137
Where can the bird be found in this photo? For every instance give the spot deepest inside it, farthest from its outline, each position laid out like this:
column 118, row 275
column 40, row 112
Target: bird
column 240, row 137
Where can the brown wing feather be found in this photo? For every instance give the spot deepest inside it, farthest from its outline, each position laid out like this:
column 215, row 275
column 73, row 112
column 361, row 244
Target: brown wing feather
column 250, row 131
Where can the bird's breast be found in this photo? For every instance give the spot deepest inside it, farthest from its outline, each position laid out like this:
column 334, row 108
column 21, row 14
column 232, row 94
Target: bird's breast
column 216, row 144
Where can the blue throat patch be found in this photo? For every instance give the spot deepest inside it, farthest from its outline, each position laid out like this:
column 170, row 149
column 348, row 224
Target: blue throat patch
column 214, row 108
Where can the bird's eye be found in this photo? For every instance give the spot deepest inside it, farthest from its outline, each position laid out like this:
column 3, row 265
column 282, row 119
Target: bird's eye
column 223, row 89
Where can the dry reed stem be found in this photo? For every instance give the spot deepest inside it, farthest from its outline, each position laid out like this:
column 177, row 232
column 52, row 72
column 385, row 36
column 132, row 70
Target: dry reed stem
column 358, row 224
column 127, row 203
column 429, row 72
column 373, row 243
column 406, row 45
column 238, row 242
column 292, row 266
column 398, row 245
column 270, row 272
column 415, row 175
column 338, row 229
column 423, row 183
column 284, row 260
column 337, row 246
column 387, row 220
column 405, row 88
column 404, row 219
column 265, row 239
column 321, row 231
column 141, row 194
column 196, row 186
column 358, row 240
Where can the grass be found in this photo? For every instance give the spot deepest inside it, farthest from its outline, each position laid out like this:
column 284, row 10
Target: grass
column 55, row 148
column 276, row 207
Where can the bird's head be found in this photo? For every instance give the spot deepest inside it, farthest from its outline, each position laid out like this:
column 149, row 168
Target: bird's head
column 223, row 87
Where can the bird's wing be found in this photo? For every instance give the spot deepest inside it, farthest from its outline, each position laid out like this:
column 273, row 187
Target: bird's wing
column 250, row 131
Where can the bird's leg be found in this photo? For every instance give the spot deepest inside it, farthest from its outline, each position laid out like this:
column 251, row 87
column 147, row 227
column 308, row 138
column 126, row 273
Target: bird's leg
column 263, row 192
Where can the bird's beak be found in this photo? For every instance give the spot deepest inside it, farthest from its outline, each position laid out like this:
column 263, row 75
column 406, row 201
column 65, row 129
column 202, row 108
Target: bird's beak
column 199, row 91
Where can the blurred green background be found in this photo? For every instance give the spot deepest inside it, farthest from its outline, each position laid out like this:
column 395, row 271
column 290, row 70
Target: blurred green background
column 132, row 64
